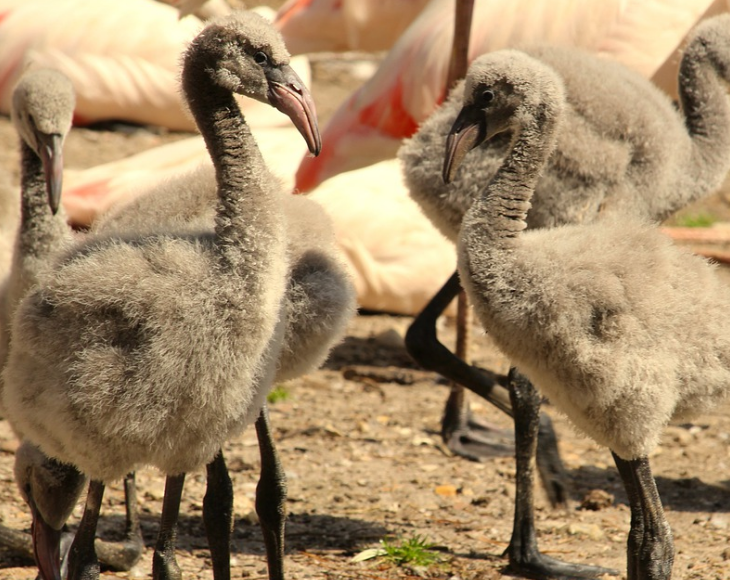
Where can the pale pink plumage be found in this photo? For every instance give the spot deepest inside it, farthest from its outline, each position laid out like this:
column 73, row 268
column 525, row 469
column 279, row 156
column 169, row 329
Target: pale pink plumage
column 203, row 9
column 410, row 83
column 339, row 25
column 122, row 58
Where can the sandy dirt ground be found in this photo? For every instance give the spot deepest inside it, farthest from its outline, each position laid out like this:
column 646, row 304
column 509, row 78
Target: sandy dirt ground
column 360, row 443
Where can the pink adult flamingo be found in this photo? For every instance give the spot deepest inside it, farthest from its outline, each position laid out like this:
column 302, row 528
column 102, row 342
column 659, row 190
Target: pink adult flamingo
column 337, row 25
column 411, row 81
column 203, row 9
column 121, row 57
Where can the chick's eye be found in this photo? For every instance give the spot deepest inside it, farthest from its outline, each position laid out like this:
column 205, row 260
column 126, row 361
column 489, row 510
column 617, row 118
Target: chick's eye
column 487, row 96
column 261, row 58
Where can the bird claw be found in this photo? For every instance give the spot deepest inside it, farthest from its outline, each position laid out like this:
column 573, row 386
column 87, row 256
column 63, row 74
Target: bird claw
column 120, row 556
column 476, row 444
column 541, row 567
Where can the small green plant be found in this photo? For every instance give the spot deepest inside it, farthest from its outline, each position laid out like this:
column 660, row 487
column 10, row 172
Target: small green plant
column 278, row 393
column 413, row 552
column 696, row 220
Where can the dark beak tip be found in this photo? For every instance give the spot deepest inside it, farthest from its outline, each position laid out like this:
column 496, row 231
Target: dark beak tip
column 466, row 133
column 295, row 101
column 46, row 547
column 54, row 198
column 52, row 159
column 317, row 149
column 448, row 171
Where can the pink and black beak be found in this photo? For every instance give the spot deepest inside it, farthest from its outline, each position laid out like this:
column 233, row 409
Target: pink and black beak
column 468, row 131
column 290, row 95
column 51, row 153
column 46, row 545
column 51, row 490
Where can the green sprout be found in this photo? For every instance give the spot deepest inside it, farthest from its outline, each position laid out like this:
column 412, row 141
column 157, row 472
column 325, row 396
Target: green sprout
column 278, row 393
column 413, row 552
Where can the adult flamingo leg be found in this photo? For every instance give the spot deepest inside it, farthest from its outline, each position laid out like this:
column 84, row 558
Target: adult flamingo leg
column 427, row 350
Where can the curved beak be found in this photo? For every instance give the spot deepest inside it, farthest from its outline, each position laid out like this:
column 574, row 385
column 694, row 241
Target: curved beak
column 51, row 150
column 46, row 545
column 289, row 95
column 468, row 131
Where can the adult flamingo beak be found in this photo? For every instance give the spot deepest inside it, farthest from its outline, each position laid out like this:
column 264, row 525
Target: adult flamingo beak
column 290, row 95
column 468, row 131
column 51, row 153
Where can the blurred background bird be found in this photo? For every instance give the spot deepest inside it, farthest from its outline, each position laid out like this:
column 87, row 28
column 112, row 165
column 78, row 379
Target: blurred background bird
column 121, row 57
column 411, row 81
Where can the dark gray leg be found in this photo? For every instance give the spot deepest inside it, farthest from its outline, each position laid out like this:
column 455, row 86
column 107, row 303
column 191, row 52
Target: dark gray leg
column 426, row 349
column 218, row 516
column 470, row 439
column 116, row 555
column 164, row 564
column 133, row 544
column 82, row 561
column 650, row 548
column 553, row 476
column 468, row 436
column 524, row 555
column 271, row 497
column 459, row 428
